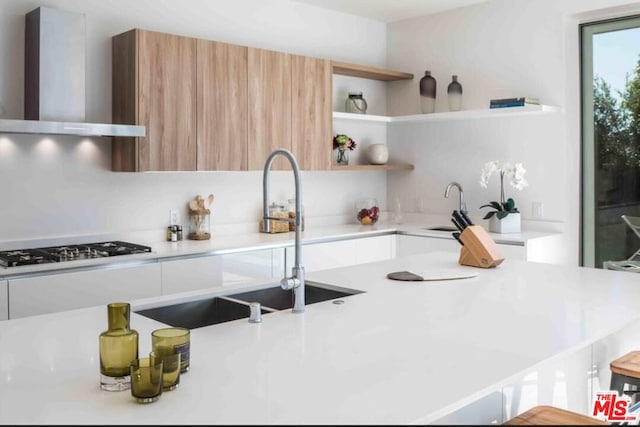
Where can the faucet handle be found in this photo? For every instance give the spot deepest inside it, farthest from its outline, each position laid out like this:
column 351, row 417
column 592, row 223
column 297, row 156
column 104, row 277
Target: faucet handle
column 289, row 283
column 255, row 315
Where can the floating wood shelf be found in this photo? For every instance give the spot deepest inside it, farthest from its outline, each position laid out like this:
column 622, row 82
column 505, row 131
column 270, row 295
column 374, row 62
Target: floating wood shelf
column 451, row 115
column 366, row 72
column 402, row 167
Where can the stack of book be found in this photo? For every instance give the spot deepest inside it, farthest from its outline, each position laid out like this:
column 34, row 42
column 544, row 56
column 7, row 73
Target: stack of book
column 513, row 102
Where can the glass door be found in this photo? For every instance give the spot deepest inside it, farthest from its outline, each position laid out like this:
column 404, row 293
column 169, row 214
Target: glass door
column 610, row 138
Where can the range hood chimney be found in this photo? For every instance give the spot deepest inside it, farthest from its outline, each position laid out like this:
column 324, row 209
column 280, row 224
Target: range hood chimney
column 54, row 82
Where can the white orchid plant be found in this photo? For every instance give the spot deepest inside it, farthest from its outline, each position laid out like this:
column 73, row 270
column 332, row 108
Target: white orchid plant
column 515, row 174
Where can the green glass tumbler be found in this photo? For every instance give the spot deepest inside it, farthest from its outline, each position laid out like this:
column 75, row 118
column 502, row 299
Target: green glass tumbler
column 176, row 339
column 146, row 379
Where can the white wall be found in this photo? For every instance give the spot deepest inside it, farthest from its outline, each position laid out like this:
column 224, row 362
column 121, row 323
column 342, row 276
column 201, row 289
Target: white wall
column 501, row 48
column 59, row 185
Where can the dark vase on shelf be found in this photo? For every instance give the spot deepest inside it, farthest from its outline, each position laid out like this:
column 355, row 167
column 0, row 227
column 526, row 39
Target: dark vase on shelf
column 454, row 92
column 427, row 93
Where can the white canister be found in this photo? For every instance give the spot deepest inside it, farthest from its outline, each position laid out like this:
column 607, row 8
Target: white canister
column 377, row 154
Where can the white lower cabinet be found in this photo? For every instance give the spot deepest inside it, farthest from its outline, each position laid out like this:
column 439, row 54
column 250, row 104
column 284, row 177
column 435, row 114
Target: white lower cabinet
column 67, row 291
column 562, row 382
column 410, row 245
column 218, row 270
column 4, row 300
column 343, row 253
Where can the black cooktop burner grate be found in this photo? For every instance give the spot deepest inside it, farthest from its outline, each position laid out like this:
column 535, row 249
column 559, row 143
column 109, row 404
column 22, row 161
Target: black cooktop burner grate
column 20, row 257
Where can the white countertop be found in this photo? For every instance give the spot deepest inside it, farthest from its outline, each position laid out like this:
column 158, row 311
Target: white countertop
column 245, row 241
column 402, row 352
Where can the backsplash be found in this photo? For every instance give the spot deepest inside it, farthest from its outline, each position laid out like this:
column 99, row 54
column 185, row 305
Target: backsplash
column 60, row 186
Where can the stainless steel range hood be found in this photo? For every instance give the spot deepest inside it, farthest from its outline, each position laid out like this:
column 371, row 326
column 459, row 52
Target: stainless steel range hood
column 54, row 83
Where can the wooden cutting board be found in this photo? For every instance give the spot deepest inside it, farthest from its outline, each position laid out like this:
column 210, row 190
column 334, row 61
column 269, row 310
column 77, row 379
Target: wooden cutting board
column 432, row 275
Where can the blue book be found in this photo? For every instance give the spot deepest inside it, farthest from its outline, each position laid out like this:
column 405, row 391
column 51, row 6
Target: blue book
column 513, row 102
column 509, row 104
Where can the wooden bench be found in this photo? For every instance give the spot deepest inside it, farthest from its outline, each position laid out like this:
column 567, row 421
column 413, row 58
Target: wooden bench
column 548, row 415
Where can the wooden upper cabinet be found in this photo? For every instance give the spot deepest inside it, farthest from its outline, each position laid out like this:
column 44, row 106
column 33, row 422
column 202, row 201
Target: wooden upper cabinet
column 269, row 124
column 222, row 106
column 154, row 84
column 312, row 116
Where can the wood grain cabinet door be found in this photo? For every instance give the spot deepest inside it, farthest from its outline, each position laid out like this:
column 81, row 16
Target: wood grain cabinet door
column 154, row 84
column 269, row 124
column 167, row 101
column 222, row 106
column 312, row 117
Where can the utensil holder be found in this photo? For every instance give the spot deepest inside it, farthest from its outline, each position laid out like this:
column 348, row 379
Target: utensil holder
column 479, row 249
column 199, row 224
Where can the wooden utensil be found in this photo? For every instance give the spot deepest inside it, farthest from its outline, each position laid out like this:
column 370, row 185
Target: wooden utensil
column 208, row 202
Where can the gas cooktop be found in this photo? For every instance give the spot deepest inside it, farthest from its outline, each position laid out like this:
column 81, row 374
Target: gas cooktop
column 69, row 253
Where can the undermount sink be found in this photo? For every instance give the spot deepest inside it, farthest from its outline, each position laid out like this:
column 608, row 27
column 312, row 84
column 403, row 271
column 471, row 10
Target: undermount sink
column 196, row 314
column 442, row 228
column 276, row 298
column 220, row 309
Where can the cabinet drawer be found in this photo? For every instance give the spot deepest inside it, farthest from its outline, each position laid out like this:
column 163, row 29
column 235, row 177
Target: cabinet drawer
column 68, row 291
column 343, row 253
column 218, row 270
column 411, row 245
column 4, row 300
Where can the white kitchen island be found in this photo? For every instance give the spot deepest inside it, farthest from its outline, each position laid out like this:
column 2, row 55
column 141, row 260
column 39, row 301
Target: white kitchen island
column 399, row 353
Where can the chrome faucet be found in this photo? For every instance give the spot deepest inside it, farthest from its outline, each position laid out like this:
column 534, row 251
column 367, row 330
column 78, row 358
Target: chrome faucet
column 296, row 281
column 463, row 206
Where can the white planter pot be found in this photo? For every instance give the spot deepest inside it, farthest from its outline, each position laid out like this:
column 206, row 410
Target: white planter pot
column 508, row 224
column 377, row 154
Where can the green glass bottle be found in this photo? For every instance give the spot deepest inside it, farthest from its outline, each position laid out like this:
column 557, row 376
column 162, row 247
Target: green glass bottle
column 118, row 348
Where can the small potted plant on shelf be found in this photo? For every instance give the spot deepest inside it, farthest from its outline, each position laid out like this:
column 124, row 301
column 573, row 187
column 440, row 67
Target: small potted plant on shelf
column 342, row 144
column 505, row 217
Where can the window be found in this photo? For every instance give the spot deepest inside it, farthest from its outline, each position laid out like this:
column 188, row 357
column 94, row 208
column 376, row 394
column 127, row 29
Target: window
column 610, row 138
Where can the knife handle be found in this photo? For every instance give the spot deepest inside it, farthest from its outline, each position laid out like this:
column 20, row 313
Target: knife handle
column 466, row 218
column 458, row 226
column 457, row 237
column 460, row 220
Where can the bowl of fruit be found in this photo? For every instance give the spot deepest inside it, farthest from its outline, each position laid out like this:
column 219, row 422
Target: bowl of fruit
column 367, row 211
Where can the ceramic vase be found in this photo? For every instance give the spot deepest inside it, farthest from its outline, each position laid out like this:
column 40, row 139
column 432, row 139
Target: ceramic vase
column 377, row 154
column 427, row 93
column 454, row 92
column 508, row 224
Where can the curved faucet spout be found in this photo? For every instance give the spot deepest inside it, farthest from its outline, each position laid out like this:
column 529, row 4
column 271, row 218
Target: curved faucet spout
column 462, row 206
column 296, row 281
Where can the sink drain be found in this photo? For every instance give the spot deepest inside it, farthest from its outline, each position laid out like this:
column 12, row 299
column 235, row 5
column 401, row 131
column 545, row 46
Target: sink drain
column 338, row 302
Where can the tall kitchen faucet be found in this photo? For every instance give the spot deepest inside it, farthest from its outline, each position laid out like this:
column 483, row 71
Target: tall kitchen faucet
column 463, row 206
column 296, row 281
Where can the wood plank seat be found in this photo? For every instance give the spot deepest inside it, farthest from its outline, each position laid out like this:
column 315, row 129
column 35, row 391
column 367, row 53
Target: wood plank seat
column 548, row 415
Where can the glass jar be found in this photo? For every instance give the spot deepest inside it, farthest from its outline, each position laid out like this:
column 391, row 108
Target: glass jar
column 118, row 348
column 367, row 211
column 199, row 224
column 355, row 103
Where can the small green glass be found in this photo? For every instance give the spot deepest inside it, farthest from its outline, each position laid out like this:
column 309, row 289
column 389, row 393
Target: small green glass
column 146, row 379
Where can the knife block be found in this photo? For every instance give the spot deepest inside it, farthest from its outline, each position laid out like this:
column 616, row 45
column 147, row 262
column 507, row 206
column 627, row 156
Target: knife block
column 479, row 249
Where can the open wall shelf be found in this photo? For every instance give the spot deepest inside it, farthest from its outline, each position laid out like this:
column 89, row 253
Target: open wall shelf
column 367, row 72
column 401, row 167
column 452, row 115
